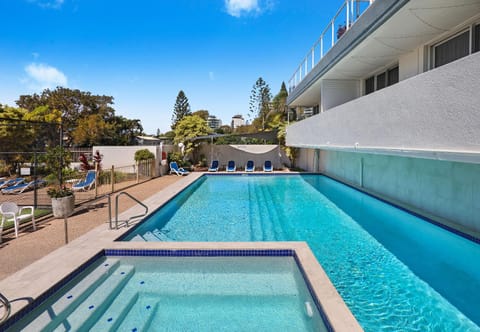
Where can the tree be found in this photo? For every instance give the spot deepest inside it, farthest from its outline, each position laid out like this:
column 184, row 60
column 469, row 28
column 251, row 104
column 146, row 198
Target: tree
column 280, row 100
column 204, row 114
column 90, row 130
column 180, row 109
column 260, row 101
column 72, row 104
column 187, row 129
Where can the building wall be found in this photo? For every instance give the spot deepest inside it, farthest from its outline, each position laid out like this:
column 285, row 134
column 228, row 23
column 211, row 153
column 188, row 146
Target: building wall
column 242, row 153
column 445, row 189
column 121, row 156
column 305, row 159
column 337, row 92
column 411, row 64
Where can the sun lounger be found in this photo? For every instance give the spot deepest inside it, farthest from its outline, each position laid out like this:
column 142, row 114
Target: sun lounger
column 20, row 188
column 214, row 166
column 86, row 184
column 250, row 166
column 231, row 166
column 267, row 166
column 11, row 182
column 177, row 170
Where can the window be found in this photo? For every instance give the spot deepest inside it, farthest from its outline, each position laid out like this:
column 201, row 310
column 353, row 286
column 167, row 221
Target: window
column 392, row 76
column 369, row 85
column 476, row 38
column 381, row 81
column 452, row 49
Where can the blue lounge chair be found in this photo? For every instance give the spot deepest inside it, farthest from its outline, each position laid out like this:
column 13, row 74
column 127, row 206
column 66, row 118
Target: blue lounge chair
column 250, row 166
column 177, row 170
column 11, row 182
column 86, row 184
column 231, row 166
column 20, row 188
column 267, row 166
column 214, row 166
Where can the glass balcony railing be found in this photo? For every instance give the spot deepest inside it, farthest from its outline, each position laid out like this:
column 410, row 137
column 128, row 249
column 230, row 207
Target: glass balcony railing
column 346, row 16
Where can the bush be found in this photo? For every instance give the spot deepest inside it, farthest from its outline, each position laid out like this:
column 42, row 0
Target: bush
column 144, row 154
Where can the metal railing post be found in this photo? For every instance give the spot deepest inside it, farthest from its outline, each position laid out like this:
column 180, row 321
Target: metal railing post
column 112, row 179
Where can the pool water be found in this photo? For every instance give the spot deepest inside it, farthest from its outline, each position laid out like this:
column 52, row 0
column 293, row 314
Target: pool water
column 395, row 271
column 182, row 294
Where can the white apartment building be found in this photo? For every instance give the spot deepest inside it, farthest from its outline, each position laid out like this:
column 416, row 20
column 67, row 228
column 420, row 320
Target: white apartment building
column 398, row 94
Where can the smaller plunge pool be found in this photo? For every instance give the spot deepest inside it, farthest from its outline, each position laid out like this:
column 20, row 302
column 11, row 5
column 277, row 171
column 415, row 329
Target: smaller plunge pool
column 180, row 290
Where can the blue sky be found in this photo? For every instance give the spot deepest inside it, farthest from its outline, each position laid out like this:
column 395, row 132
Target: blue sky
column 144, row 52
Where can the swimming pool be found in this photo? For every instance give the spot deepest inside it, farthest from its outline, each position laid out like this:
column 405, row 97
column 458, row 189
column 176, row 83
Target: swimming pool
column 182, row 290
column 395, row 271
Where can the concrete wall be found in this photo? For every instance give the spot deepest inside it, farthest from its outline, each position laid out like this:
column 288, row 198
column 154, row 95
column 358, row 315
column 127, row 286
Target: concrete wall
column 305, row 159
column 242, row 153
column 411, row 64
column 432, row 115
column 445, row 189
column 337, row 92
column 121, row 156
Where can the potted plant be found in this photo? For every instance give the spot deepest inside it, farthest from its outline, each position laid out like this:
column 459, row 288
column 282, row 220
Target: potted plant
column 63, row 199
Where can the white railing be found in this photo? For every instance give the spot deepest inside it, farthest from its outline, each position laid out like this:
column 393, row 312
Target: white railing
column 343, row 20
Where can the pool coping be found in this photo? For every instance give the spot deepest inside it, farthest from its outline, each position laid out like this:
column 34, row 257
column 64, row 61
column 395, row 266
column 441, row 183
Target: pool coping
column 31, row 282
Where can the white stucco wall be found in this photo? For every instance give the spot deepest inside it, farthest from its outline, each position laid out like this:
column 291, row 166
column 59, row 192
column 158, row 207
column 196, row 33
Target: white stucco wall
column 120, row 156
column 337, row 92
column 446, row 189
column 242, row 153
column 410, row 64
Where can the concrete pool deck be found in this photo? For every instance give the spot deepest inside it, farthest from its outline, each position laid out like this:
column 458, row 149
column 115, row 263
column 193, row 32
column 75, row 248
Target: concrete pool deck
column 33, row 280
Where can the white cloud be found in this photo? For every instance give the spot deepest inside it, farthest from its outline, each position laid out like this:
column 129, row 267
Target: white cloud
column 42, row 76
column 54, row 4
column 237, row 8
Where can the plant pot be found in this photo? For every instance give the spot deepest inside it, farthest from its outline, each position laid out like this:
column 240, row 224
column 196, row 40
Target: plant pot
column 62, row 207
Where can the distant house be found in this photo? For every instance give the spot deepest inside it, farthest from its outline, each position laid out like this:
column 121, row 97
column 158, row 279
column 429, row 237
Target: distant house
column 237, row 121
column 214, row 122
column 150, row 140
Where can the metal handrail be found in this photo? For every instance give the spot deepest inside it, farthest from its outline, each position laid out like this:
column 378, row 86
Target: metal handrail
column 8, row 308
column 133, row 217
column 328, row 34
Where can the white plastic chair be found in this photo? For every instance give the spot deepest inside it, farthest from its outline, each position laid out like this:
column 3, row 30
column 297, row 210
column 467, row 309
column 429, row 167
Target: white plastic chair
column 11, row 211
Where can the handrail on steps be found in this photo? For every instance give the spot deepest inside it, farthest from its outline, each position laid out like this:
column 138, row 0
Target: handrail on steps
column 133, row 217
column 6, row 303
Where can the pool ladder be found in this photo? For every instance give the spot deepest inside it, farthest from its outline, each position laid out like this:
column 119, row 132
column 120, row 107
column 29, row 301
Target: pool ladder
column 116, row 209
column 7, row 308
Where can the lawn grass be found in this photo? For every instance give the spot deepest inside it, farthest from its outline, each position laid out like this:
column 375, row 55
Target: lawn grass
column 38, row 213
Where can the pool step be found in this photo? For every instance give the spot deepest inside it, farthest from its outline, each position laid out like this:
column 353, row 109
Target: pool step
column 116, row 313
column 137, row 238
column 155, row 236
column 94, row 305
column 145, row 307
column 69, row 299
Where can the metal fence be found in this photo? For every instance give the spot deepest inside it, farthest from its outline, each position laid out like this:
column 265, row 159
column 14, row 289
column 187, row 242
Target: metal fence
column 106, row 182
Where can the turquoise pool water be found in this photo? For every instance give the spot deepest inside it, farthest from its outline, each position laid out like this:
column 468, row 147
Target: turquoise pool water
column 396, row 272
column 181, row 294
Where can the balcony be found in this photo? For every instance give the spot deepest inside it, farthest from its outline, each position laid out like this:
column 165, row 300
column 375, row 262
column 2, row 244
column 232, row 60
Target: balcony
column 342, row 21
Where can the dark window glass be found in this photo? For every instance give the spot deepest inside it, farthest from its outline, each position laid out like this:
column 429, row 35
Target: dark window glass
column 369, row 85
column 452, row 49
column 476, row 42
column 381, row 81
column 392, row 76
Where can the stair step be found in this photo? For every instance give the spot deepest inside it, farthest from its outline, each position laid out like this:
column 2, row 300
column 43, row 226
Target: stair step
column 63, row 304
column 138, row 238
column 86, row 314
column 161, row 235
column 145, row 307
column 150, row 237
column 118, row 310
